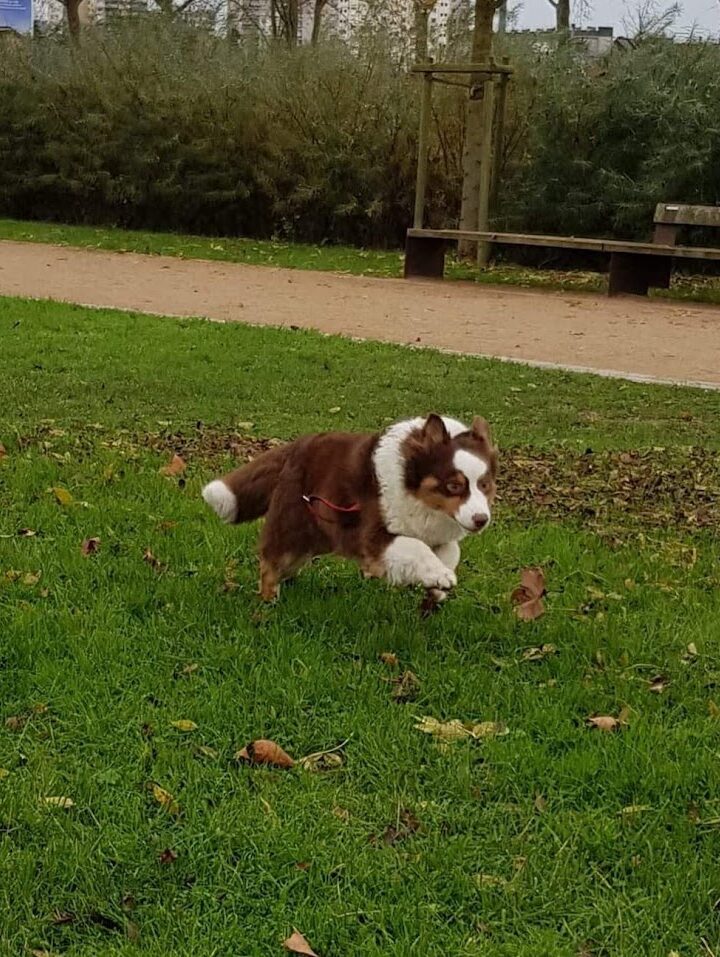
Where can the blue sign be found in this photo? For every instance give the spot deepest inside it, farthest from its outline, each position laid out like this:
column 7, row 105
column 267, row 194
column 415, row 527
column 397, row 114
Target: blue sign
column 17, row 14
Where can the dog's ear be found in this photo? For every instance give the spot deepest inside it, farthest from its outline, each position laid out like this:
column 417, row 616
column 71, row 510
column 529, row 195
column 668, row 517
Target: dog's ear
column 434, row 431
column 481, row 430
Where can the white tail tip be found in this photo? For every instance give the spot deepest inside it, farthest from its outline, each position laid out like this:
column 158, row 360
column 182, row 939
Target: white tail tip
column 221, row 500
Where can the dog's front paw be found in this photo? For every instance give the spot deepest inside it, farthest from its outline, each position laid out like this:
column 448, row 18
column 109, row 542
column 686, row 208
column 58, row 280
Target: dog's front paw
column 437, row 576
column 434, row 597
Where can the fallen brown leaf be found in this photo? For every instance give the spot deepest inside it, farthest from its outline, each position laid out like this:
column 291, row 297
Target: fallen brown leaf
column 3, row 451
column 91, row 546
column 604, row 722
column 168, row 856
column 263, row 751
column 27, row 532
column 527, row 597
column 153, row 562
column 390, row 659
column 16, row 722
column 405, row 687
column 165, row 799
column 297, row 944
column 63, row 917
column 342, row 814
column 31, row 578
column 176, row 466
column 713, row 709
column 405, row 826
column 658, row 684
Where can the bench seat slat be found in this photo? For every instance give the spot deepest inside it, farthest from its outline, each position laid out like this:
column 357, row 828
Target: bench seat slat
column 570, row 242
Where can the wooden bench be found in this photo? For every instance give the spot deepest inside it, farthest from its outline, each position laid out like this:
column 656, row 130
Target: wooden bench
column 634, row 267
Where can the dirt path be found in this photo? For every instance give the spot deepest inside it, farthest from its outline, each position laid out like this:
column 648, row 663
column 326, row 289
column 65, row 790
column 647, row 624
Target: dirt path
column 635, row 338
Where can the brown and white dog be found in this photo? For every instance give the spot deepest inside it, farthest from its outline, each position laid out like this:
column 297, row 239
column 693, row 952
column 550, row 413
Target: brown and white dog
column 398, row 502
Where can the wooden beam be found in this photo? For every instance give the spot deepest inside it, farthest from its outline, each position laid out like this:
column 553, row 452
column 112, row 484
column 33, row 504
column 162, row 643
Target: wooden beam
column 423, row 149
column 486, row 160
column 569, row 242
column 489, row 68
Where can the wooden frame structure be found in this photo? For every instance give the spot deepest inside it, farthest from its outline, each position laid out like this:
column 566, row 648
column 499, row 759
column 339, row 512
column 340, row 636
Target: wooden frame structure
column 493, row 128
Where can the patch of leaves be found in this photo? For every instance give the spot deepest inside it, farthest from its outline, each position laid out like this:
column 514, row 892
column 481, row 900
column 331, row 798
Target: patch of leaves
column 658, row 488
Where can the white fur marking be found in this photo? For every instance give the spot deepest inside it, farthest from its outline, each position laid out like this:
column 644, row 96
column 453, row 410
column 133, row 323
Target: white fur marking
column 474, row 469
column 409, row 561
column 405, row 514
column 221, row 500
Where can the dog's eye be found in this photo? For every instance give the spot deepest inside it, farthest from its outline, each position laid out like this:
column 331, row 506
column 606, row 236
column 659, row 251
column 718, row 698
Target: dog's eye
column 455, row 487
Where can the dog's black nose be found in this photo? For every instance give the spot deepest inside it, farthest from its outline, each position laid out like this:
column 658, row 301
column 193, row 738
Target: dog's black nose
column 480, row 520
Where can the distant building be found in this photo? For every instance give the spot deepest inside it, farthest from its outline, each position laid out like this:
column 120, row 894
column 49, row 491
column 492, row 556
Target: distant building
column 593, row 41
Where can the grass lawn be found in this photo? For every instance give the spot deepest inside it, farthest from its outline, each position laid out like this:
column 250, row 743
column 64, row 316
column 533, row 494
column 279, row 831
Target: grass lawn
column 553, row 840
column 343, row 259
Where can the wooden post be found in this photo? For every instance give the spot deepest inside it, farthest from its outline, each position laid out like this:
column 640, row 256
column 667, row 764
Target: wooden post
column 423, row 148
column 483, row 249
column 499, row 135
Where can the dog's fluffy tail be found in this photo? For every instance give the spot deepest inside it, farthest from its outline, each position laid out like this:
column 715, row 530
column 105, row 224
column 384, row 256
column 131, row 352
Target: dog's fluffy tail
column 244, row 494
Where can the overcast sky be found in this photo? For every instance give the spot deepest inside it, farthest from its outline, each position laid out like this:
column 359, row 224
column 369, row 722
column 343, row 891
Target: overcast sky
column 705, row 14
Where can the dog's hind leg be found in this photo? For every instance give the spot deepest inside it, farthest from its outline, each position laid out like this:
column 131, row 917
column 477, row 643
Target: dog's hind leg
column 288, row 539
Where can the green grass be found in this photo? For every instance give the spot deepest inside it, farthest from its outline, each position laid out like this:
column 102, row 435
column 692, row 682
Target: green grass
column 525, row 846
column 327, row 258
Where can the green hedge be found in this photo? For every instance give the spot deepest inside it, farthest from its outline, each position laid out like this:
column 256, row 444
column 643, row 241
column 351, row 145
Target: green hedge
column 160, row 126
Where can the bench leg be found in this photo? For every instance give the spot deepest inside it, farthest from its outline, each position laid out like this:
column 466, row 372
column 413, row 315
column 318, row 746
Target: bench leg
column 633, row 274
column 424, row 256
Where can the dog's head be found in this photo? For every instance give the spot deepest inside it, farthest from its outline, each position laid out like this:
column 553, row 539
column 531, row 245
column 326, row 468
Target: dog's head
column 453, row 473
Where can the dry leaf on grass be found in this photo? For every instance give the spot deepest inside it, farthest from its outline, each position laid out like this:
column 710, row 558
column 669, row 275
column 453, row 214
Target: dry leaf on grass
column 176, row 466
column 538, row 654
column 16, row 722
column 405, row 687
column 455, row 730
column 329, row 760
column 203, row 751
column 390, row 659
column 3, row 451
column 297, row 944
column 91, row 546
column 184, row 725
column 405, row 826
column 4, row 773
column 528, row 596
column 168, row 856
column 263, row 751
column 658, row 684
column 165, row 799
column 62, row 496
column 63, row 802
column 713, row 710
column 153, row 562
column 606, row 722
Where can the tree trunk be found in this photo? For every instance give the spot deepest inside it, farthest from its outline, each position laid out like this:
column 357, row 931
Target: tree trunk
column 562, row 16
column 72, row 8
column 292, row 23
column 317, row 20
column 472, row 149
